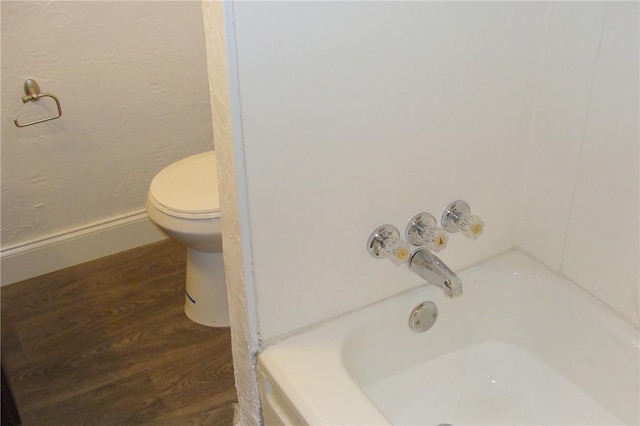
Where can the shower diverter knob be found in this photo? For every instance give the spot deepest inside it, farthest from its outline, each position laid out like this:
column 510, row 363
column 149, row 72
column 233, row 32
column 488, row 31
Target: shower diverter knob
column 423, row 230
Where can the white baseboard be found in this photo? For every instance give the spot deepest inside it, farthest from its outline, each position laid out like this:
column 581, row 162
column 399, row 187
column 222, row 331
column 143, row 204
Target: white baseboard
column 78, row 245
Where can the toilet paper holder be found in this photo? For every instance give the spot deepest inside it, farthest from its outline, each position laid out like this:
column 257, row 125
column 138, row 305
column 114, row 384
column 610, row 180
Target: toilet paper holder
column 32, row 93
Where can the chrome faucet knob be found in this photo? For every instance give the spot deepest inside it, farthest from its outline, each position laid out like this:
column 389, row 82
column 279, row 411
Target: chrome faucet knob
column 385, row 243
column 423, row 230
column 457, row 217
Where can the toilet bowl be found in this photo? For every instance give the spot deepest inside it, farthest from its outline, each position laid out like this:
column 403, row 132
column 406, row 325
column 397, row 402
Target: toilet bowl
column 183, row 202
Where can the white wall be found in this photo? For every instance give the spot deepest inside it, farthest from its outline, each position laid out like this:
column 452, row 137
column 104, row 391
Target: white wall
column 580, row 211
column 132, row 81
column 358, row 114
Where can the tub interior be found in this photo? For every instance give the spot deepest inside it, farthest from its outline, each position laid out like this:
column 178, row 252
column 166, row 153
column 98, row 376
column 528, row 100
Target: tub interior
column 515, row 317
column 522, row 345
column 487, row 383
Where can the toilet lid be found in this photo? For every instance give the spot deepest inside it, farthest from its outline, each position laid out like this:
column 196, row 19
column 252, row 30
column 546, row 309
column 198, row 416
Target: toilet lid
column 188, row 186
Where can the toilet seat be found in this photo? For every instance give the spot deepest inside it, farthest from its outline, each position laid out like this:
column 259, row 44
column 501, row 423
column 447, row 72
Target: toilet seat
column 188, row 188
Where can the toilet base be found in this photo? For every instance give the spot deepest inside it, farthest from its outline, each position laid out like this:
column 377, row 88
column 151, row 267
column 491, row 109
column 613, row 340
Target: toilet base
column 206, row 291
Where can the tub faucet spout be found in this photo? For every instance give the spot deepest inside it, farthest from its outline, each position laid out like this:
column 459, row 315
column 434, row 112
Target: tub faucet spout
column 431, row 268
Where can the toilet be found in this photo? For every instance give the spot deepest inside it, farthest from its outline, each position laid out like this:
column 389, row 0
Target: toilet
column 183, row 202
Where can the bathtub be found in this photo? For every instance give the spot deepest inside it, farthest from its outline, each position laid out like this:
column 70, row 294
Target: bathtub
column 522, row 345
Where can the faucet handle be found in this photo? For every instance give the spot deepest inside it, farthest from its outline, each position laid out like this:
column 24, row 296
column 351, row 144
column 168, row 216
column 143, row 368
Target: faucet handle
column 423, row 230
column 457, row 217
column 385, row 243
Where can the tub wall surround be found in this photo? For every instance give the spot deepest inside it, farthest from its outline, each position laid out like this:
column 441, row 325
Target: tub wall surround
column 380, row 120
column 385, row 110
column 132, row 81
column 351, row 115
column 580, row 216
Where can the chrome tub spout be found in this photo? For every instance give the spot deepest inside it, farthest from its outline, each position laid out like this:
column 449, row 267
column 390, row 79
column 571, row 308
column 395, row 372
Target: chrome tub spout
column 434, row 271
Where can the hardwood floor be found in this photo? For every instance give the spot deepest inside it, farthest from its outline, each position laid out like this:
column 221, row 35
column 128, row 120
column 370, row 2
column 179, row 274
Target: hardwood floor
column 107, row 343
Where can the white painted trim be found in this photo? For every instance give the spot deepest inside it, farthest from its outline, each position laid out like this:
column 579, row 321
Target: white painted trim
column 76, row 245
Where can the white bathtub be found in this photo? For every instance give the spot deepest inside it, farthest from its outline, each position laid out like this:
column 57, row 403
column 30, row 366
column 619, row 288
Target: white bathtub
column 520, row 346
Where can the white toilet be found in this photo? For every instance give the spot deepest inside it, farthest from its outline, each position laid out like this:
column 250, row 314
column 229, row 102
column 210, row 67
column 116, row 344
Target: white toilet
column 183, row 201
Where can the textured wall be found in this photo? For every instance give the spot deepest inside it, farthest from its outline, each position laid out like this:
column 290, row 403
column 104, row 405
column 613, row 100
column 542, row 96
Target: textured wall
column 233, row 202
column 132, row 80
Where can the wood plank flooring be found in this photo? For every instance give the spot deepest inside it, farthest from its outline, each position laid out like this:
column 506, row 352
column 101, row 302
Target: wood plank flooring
column 107, row 343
